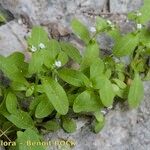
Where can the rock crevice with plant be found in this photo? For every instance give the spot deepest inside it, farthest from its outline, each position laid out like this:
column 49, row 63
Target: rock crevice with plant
column 46, row 92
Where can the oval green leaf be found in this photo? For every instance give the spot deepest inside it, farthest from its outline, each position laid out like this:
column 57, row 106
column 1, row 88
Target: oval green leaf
column 136, row 92
column 11, row 103
column 56, row 95
column 68, row 124
column 80, row 30
column 86, row 102
column 125, row 45
column 73, row 77
column 44, row 108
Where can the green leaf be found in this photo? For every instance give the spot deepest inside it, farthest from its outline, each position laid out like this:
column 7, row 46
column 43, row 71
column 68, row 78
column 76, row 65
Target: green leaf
column 98, row 126
column 120, row 83
column 35, row 102
column 10, row 70
column 73, row 77
column 68, row 124
column 38, row 88
column 3, row 109
column 71, row 51
column 136, row 92
column 48, row 60
column 144, row 36
column 122, row 93
column 71, row 98
column 20, row 119
column 108, row 73
column 98, row 81
column 97, row 68
column 125, row 45
column 29, row 91
column 2, row 18
column 1, row 92
column 26, row 138
column 106, row 91
column 147, row 76
column 11, row 103
column 86, row 102
column 145, row 12
column 38, row 35
column 54, row 48
column 147, row 52
column 91, row 53
column 121, row 75
column 80, row 30
column 36, row 62
column 99, row 116
column 17, row 86
column 18, row 59
column 101, row 24
column 53, row 51
column 56, row 95
column 62, row 56
column 44, row 108
column 51, row 125
column 139, row 64
column 133, row 16
column 115, row 34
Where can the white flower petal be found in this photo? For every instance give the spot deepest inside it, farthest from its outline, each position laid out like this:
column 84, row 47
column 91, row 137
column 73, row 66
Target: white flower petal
column 110, row 107
column 139, row 14
column 103, row 112
column 58, row 63
column 41, row 45
column 92, row 29
column 33, row 48
column 109, row 22
column 139, row 26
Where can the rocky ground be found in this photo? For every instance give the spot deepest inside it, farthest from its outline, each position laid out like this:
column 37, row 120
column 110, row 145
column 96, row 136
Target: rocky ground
column 125, row 129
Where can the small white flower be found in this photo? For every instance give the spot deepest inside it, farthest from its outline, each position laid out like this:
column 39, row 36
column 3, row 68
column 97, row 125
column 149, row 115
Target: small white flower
column 139, row 14
column 139, row 26
column 33, row 48
column 41, row 46
column 58, row 63
column 93, row 29
column 110, row 107
column 103, row 112
column 109, row 22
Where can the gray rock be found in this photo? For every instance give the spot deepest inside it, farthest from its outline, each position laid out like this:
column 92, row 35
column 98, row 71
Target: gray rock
column 105, row 42
column 124, row 130
column 141, row 132
column 12, row 38
column 51, row 10
column 8, row 16
column 124, row 6
column 126, row 27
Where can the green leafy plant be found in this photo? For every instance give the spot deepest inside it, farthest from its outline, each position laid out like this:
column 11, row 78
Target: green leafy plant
column 2, row 18
column 46, row 93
